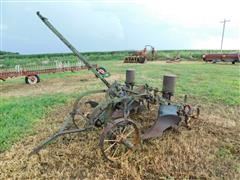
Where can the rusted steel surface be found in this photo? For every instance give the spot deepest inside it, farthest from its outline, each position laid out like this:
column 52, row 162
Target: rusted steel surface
column 169, row 82
column 168, row 87
column 120, row 135
column 130, row 76
column 142, row 56
column 135, row 59
column 167, row 118
column 221, row 57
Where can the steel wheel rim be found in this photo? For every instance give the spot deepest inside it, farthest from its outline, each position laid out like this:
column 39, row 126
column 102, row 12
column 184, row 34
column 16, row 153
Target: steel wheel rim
column 125, row 133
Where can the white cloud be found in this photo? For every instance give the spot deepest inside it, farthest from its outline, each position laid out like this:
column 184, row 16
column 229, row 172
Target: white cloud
column 200, row 18
column 215, row 43
column 121, row 24
column 192, row 13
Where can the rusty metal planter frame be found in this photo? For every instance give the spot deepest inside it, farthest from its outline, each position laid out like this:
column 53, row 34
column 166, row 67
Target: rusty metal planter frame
column 122, row 100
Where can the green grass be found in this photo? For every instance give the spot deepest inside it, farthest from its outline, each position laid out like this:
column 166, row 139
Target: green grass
column 208, row 83
column 19, row 114
column 10, row 59
column 214, row 83
column 224, row 153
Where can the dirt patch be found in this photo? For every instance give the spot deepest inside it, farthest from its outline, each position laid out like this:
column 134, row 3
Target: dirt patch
column 208, row 149
column 63, row 85
column 66, row 85
column 115, row 77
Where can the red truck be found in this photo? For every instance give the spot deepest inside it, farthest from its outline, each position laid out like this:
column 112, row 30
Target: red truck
column 233, row 58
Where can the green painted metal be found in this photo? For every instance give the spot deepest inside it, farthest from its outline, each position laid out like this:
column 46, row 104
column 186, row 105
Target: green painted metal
column 120, row 102
column 72, row 48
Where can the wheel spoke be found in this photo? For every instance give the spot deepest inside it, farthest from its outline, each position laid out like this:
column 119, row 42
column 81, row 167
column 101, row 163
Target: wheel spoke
column 119, row 139
column 109, row 147
column 124, row 130
column 129, row 133
column 115, row 151
column 110, row 140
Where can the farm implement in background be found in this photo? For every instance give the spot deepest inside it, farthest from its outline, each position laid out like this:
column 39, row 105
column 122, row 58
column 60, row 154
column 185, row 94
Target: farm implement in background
column 32, row 73
column 113, row 114
column 233, row 58
column 142, row 56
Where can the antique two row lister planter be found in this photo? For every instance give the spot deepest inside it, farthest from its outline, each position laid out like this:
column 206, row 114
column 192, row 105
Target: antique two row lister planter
column 120, row 134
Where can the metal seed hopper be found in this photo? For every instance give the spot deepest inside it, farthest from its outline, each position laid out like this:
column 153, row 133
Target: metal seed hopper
column 113, row 115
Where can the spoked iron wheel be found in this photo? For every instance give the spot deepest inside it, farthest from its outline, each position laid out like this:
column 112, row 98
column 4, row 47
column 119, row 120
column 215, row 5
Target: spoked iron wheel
column 119, row 139
column 82, row 108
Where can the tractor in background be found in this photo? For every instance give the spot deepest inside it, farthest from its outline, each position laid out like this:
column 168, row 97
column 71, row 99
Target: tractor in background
column 147, row 54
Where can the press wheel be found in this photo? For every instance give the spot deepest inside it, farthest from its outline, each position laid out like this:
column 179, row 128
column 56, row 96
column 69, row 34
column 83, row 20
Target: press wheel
column 196, row 112
column 119, row 139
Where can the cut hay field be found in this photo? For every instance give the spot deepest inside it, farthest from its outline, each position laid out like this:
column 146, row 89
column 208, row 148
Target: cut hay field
column 210, row 149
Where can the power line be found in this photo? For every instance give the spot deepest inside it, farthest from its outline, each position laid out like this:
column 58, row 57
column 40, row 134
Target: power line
column 224, row 23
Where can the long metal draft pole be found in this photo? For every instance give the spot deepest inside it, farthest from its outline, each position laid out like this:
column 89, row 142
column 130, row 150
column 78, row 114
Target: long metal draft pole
column 224, row 23
column 73, row 49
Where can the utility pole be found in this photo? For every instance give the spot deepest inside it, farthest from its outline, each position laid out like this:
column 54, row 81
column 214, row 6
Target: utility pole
column 224, row 22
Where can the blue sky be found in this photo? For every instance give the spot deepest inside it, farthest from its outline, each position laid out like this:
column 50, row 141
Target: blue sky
column 119, row 24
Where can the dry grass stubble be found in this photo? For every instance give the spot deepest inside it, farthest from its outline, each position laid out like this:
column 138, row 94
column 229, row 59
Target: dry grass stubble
column 211, row 148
